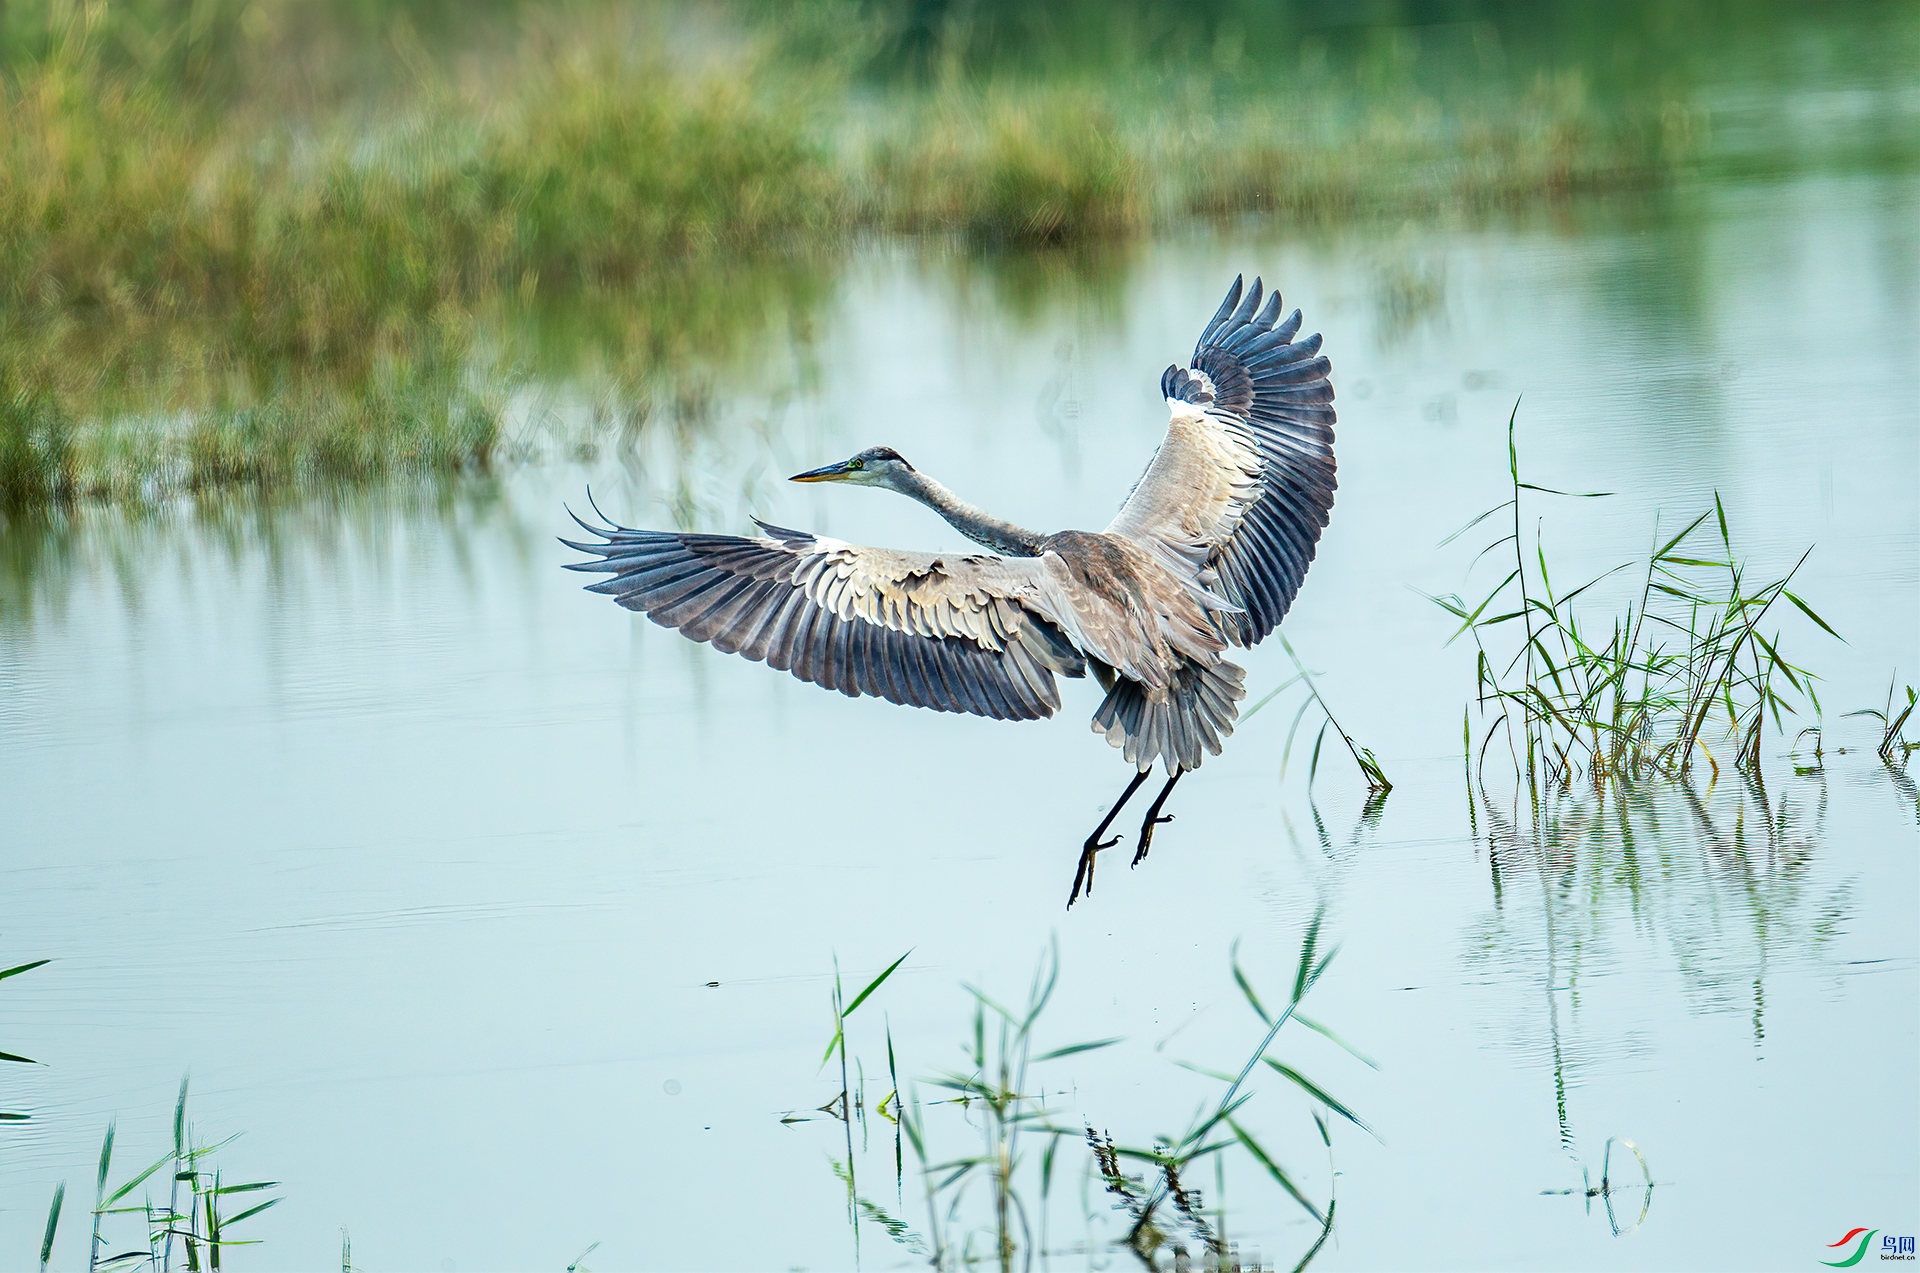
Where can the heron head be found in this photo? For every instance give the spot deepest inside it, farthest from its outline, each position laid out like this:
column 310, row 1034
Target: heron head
column 875, row 466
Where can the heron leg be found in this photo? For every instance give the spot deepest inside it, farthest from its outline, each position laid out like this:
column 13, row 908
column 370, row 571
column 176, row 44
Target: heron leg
column 1084, row 875
column 1154, row 819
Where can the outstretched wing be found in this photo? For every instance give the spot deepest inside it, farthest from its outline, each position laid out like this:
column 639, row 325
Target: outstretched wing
column 954, row 633
column 1241, row 487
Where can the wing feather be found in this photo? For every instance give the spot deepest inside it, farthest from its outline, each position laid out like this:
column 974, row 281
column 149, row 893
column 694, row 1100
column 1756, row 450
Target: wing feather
column 952, row 633
column 1243, row 483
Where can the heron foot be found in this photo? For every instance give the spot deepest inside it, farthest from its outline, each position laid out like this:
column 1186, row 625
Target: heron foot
column 1154, row 819
column 1084, row 875
column 1146, row 837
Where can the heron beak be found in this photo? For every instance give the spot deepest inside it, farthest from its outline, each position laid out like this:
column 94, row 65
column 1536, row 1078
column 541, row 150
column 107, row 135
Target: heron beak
column 831, row 473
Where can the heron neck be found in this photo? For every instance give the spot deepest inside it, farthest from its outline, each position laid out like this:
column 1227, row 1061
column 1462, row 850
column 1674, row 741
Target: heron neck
column 975, row 523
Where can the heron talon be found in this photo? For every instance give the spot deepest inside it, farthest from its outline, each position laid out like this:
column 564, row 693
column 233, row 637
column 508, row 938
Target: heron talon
column 1153, row 819
column 1085, row 874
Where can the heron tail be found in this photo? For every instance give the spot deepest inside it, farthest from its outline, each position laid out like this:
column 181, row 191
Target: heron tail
column 1178, row 724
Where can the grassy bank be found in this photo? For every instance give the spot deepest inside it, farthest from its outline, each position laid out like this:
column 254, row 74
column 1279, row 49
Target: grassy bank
column 235, row 246
column 602, row 151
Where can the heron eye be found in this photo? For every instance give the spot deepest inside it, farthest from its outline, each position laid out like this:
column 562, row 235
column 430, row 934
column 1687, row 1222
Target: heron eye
column 856, row 464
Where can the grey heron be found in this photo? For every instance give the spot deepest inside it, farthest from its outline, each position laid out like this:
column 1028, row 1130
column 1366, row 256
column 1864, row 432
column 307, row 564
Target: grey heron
column 1206, row 554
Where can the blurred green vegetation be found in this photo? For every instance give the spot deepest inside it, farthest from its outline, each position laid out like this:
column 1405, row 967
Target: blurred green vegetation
column 264, row 241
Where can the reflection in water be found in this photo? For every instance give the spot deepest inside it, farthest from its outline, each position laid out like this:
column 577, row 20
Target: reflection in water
column 1409, row 293
column 669, row 383
column 1606, row 1190
column 1719, row 877
column 1894, row 748
column 141, row 411
column 1027, row 289
column 46, row 554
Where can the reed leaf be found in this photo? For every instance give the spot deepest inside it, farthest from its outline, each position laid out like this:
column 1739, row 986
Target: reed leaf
column 1274, row 1169
column 874, row 985
column 53, row 1224
column 1320, row 1094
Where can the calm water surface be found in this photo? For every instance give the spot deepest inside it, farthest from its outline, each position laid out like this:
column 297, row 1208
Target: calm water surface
column 423, row 861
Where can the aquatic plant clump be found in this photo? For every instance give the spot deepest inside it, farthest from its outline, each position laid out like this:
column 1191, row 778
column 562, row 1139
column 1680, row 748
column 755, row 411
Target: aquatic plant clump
column 1022, row 1147
column 1634, row 694
column 187, row 1206
column 211, row 239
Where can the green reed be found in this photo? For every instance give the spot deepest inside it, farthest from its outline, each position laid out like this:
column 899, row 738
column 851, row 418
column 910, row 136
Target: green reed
column 586, row 146
column 280, row 244
column 1369, row 765
column 5, row 1115
column 997, row 1081
column 1012, row 1170
column 1146, row 1198
column 53, row 1225
column 190, row 1229
column 1632, row 694
column 850, row 1105
column 194, row 296
column 1894, row 747
column 252, row 244
column 12, row 1116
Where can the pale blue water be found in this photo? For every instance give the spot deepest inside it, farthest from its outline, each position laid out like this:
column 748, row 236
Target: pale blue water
column 422, row 860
